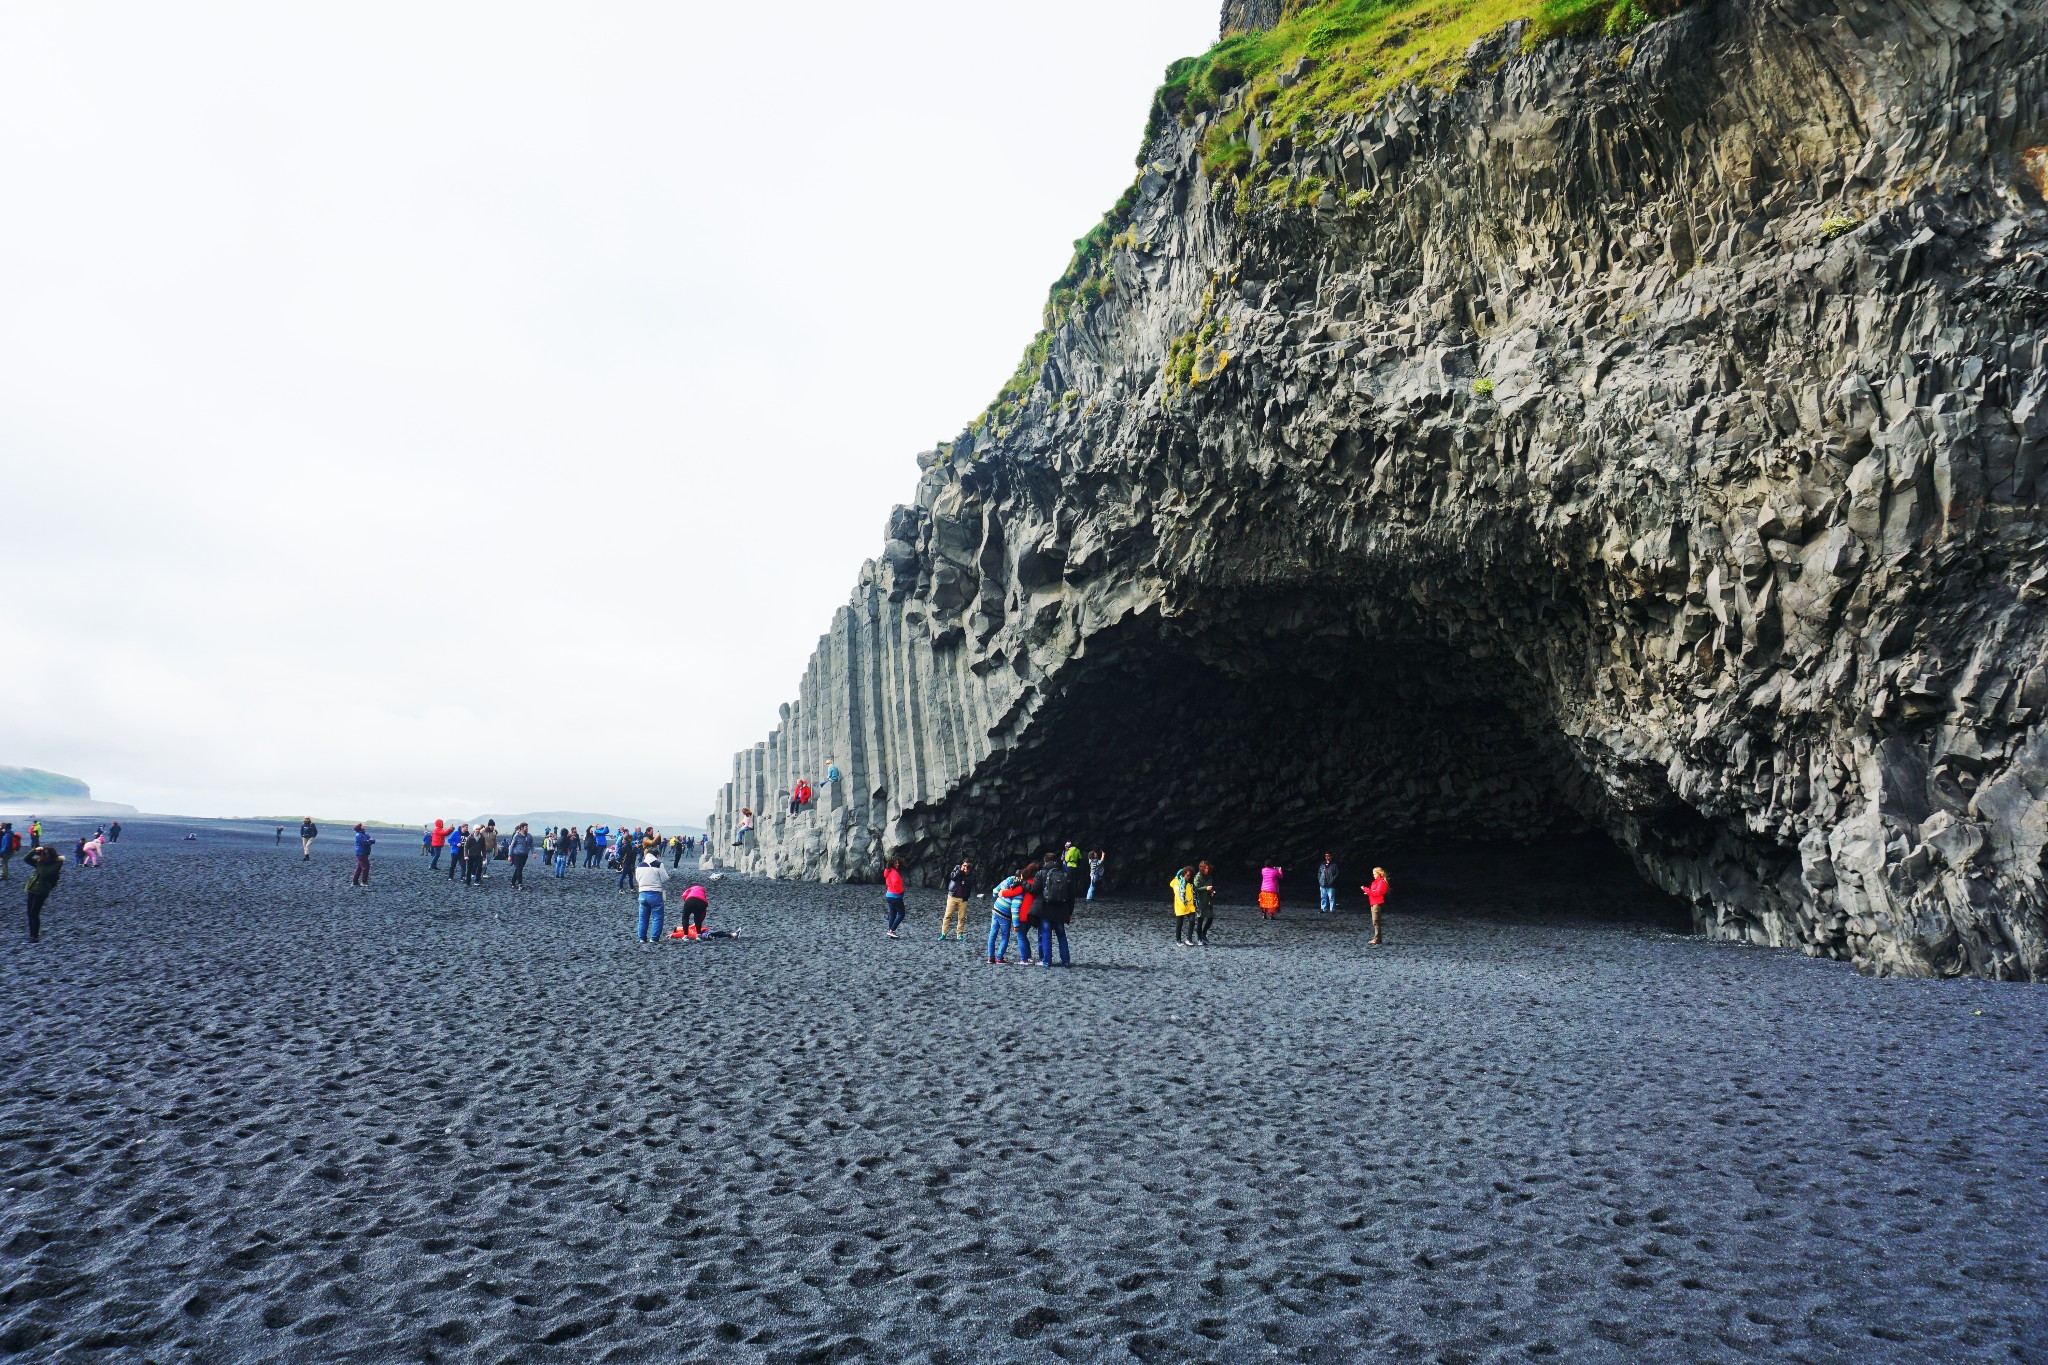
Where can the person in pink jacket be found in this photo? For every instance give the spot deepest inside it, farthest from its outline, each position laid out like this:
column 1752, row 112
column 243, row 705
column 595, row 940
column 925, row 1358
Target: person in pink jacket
column 892, row 894
column 1269, row 891
column 1376, row 894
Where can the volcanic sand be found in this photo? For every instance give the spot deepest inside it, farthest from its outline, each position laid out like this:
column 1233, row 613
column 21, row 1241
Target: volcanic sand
column 253, row 1115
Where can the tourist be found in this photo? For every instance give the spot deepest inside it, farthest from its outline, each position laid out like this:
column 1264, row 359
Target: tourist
column 1072, row 858
column 696, row 904
column 892, row 894
column 89, row 851
column 564, row 849
column 456, row 839
column 1326, row 882
column 959, row 888
column 308, row 832
column 1376, row 896
column 1004, row 904
column 628, row 859
column 831, row 773
column 520, row 849
column 650, row 878
column 1205, row 901
column 437, row 844
column 10, row 843
column 426, row 841
column 746, row 826
column 1183, row 887
column 361, row 876
column 1055, row 909
column 279, row 841
column 475, row 848
column 45, row 867
column 490, row 842
column 1269, row 891
column 1095, row 862
column 35, row 832
column 675, row 848
column 114, row 832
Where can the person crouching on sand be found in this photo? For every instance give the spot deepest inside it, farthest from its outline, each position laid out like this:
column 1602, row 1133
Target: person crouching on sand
column 45, row 867
column 1376, row 894
column 892, row 895
column 650, row 878
column 696, row 905
column 1269, row 891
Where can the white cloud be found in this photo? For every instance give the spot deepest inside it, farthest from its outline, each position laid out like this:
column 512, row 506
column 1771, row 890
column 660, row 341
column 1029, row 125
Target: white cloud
column 411, row 409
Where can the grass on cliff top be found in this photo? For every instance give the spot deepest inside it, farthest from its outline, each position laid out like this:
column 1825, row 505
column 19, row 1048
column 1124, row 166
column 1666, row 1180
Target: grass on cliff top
column 1358, row 51
column 1352, row 54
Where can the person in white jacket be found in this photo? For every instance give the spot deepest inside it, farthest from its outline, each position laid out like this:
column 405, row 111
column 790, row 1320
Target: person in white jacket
column 650, row 878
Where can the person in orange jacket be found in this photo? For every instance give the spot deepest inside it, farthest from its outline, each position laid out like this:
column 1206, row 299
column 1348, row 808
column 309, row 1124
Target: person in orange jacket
column 1376, row 894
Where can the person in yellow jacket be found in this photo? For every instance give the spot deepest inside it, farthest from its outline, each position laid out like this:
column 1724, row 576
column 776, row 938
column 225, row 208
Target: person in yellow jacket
column 1184, row 907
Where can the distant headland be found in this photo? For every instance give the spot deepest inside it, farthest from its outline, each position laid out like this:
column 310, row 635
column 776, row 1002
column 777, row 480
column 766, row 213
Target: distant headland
column 51, row 794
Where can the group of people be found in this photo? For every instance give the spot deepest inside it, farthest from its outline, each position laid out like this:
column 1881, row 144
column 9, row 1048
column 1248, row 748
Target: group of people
column 1327, row 877
column 45, row 864
column 471, row 848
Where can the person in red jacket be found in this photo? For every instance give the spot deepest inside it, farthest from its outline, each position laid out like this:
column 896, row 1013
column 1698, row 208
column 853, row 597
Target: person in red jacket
column 1377, row 895
column 892, row 894
column 437, row 842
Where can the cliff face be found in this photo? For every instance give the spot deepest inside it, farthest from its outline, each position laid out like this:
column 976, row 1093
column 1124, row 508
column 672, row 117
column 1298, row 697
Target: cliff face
column 1647, row 431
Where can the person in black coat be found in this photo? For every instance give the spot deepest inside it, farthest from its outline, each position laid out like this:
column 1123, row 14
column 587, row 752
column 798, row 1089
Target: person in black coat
column 1054, row 909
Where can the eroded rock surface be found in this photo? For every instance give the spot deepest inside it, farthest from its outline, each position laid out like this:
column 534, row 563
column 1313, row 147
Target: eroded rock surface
column 1650, row 432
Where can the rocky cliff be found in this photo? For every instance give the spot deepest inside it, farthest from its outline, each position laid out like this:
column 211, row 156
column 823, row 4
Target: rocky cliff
column 1647, row 430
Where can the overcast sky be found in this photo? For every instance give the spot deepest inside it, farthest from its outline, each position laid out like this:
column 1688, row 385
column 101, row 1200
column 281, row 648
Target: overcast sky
column 416, row 409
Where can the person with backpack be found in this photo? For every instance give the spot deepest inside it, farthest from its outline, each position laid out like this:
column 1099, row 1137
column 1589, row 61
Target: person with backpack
column 649, row 879
column 1205, row 901
column 10, row 844
column 959, row 889
column 1326, row 882
column 361, row 875
column 1376, row 896
column 1269, row 891
column 308, row 832
column 520, row 849
column 1005, row 902
column 1183, row 888
column 1095, row 862
column 45, row 867
column 892, row 894
column 1055, row 909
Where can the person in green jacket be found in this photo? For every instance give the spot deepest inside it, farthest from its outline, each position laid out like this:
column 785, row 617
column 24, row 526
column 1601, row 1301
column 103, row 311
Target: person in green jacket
column 45, row 866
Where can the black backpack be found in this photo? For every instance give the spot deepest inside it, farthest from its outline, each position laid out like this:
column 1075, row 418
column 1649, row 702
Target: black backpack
column 1056, row 883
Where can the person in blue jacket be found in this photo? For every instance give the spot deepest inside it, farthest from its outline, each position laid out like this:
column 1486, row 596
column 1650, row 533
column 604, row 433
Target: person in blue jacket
column 521, row 850
column 361, row 876
column 456, row 838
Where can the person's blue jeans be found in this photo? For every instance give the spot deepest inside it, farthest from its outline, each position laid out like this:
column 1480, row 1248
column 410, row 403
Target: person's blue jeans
column 1046, row 932
column 561, row 864
column 998, row 936
column 437, row 858
column 625, row 873
column 1329, row 897
column 651, row 919
column 896, row 911
column 1091, row 889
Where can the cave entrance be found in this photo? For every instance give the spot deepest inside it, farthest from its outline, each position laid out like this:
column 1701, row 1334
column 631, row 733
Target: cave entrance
column 1263, row 740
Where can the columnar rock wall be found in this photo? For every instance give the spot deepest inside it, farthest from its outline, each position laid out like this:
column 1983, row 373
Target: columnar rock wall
column 1648, row 432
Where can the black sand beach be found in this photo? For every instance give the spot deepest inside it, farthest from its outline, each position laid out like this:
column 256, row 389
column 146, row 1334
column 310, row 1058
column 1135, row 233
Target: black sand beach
column 252, row 1115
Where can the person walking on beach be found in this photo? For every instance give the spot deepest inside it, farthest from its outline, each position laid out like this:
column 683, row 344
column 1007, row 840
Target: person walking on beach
column 959, row 887
column 45, row 867
column 1004, row 903
column 565, row 846
column 1326, row 882
column 35, row 832
column 490, row 849
column 675, row 848
column 1376, row 896
column 1269, row 891
column 892, row 894
column 361, row 876
column 308, row 832
column 475, row 848
column 437, row 844
column 10, row 843
column 456, row 837
column 1095, row 862
column 1183, row 888
column 521, row 850
column 1205, row 901
column 114, row 832
column 650, row 878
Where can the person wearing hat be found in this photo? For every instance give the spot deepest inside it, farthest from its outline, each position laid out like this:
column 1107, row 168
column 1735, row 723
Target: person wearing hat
column 650, row 877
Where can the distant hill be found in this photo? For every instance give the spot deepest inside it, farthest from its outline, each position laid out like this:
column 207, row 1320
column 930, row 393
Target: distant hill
column 33, row 784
